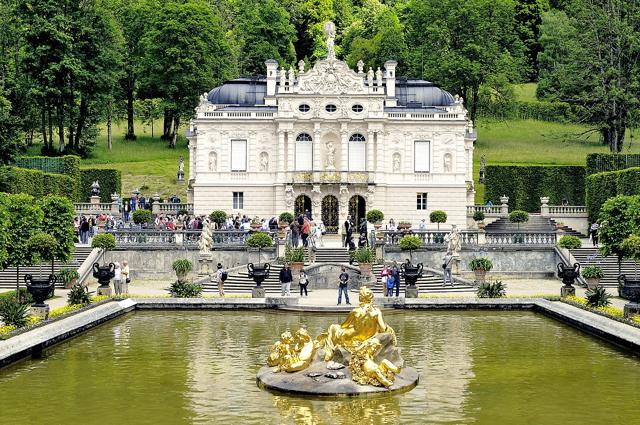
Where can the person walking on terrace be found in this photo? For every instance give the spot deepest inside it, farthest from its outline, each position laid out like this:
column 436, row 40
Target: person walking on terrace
column 125, row 277
column 303, row 282
column 220, row 277
column 343, row 286
column 446, row 266
column 285, row 280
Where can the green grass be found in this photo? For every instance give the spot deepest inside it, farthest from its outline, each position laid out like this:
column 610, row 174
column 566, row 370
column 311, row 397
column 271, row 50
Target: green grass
column 525, row 91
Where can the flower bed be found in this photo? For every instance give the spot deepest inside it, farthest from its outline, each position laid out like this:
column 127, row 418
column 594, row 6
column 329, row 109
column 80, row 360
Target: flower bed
column 609, row 311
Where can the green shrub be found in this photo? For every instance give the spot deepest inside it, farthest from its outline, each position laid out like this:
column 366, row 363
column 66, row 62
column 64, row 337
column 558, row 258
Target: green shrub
column 597, row 297
column 67, row 275
column 182, row 211
column 13, row 312
column 294, row 255
column 599, row 162
column 42, row 246
column 105, row 241
column 185, row 289
column 110, row 181
column 375, row 216
column 525, row 185
column 619, row 219
column 259, row 240
column 480, row 263
column 491, row 290
column 570, row 242
column 410, row 243
column 182, row 265
column 518, row 216
column 68, row 164
column 364, row 255
column 25, row 296
column 606, row 185
column 142, row 216
column 285, row 217
column 592, row 272
column 478, row 216
column 218, row 217
column 438, row 216
column 79, row 294
column 36, row 183
column 631, row 247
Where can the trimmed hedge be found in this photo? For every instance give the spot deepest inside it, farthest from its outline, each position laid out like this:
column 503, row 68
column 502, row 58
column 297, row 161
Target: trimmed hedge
column 68, row 164
column 525, row 185
column 36, row 183
column 602, row 186
column 110, row 181
column 521, row 109
column 601, row 162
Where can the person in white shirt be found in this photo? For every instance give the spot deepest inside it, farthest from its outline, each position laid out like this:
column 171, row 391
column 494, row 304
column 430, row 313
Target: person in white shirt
column 117, row 279
column 422, row 226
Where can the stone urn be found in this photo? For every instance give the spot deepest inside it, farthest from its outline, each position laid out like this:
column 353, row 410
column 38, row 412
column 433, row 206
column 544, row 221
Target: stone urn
column 411, row 272
column 40, row 289
column 592, row 282
column 104, row 274
column 630, row 290
column 296, row 268
column 365, row 269
column 258, row 272
column 481, row 275
column 568, row 274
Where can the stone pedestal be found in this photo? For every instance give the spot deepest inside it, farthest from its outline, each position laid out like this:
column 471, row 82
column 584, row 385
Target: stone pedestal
column 455, row 265
column 205, row 261
column 94, row 200
column 631, row 309
column 104, row 290
column 40, row 312
column 411, row 292
column 258, row 292
column 567, row 291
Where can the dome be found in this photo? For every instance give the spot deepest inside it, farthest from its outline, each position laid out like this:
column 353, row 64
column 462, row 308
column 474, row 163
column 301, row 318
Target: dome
column 421, row 93
column 241, row 91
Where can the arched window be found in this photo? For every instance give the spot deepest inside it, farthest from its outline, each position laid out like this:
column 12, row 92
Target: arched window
column 304, row 152
column 357, row 152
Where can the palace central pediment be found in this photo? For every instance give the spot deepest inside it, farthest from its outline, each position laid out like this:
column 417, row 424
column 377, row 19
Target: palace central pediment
column 330, row 76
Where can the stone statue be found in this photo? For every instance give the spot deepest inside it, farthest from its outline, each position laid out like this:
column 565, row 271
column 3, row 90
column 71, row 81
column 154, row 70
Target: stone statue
column 283, row 77
column 95, row 188
column 364, row 369
column 288, row 196
column 301, row 66
column 483, row 163
column 370, row 77
column 454, row 242
column 206, row 238
column 447, row 163
column 396, row 162
column 213, row 161
column 360, row 65
column 264, row 162
column 379, row 77
column 292, row 354
column 331, row 156
column 292, row 76
column 330, row 32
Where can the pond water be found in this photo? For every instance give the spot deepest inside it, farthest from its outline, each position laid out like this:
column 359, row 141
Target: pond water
column 167, row 367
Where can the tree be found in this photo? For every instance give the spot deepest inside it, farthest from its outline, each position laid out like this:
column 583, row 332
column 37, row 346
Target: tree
column 186, row 54
column 528, row 19
column 9, row 131
column 148, row 110
column 619, row 218
column 590, row 59
column 57, row 220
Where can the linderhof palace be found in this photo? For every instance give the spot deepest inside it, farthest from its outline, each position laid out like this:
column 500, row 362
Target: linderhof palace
column 333, row 141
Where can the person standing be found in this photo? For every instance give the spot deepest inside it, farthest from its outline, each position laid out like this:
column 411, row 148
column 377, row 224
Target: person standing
column 446, row 266
column 117, row 279
column 285, row 280
column 305, row 230
column 220, row 277
column 594, row 233
column 384, row 277
column 395, row 273
column 303, row 282
column 348, row 231
column 125, row 276
column 320, row 233
column 343, row 286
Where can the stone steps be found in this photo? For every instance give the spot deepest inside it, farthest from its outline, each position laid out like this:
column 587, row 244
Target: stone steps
column 591, row 256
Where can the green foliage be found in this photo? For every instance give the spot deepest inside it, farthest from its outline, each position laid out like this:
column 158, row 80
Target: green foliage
column 259, row 240
column 182, row 265
column 438, row 216
column 410, row 243
column 42, row 247
column 285, row 217
column 294, row 255
column 605, row 185
column 570, row 242
column 218, row 217
column 67, row 164
column 25, row 221
column 491, row 290
column 142, row 216
column 508, row 109
column 619, row 218
column 600, row 162
column 592, row 272
column 66, row 275
column 518, row 216
column 478, row 216
column 13, row 313
column 375, row 216
column 25, row 296
column 630, row 247
column 57, row 220
column 364, row 255
column 480, row 263
column 597, row 297
column 36, row 183
column 79, row 294
column 185, row 289
column 525, row 185
column 104, row 241
column 110, row 181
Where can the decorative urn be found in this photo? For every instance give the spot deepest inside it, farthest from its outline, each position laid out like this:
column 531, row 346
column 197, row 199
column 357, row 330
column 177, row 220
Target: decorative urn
column 104, row 274
column 411, row 272
column 40, row 288
column 258, row 272
column 568, row 274
column 629, row 289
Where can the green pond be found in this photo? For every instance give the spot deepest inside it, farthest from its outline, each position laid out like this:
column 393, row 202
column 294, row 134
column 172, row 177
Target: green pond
column 167, row 367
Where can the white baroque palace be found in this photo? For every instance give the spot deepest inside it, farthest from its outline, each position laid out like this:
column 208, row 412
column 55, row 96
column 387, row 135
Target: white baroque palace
column 333, row 141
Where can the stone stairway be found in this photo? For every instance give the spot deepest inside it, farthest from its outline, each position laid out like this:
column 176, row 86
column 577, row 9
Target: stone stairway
column 240, row 282
column 591, row 256
column 536, row 223
column 8, row 276
column 428, row 283
column 331, row 255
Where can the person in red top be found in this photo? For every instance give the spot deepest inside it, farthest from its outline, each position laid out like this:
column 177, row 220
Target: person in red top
column 306, row 229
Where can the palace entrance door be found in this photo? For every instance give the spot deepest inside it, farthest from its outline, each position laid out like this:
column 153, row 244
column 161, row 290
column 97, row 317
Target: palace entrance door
column 357, row 210
column 302, row 204
column 330, row 211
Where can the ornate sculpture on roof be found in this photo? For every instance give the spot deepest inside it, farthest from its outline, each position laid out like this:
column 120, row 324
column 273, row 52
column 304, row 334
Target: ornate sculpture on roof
column 330, row 32
column 300, row 66
column 360, row 65
column 379, row 77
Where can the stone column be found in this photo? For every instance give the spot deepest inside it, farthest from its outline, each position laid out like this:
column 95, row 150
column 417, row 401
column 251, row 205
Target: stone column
column 317, row 164
column 95, row 200
column 344, row 155
column 115, row 207
column 504, row 208
column 544, row 207
column 155, row 207
column 291, row 150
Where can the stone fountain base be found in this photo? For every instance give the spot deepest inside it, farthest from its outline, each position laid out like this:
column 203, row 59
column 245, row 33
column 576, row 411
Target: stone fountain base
column 318, row 380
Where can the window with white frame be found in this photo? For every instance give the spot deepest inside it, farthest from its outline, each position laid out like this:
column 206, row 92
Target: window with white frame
column 238, row 200
column 421, row 156
column 421, row 201
column 238, row 155
column 304, row 152
column 357, row 152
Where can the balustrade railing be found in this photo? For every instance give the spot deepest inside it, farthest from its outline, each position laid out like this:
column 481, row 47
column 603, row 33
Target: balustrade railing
column 471, row 238
column 173, row 208
column 428, row 237
column 87, row 207
column 487, row 210
column 180, row 238
column 521, row 238
column 567, row 210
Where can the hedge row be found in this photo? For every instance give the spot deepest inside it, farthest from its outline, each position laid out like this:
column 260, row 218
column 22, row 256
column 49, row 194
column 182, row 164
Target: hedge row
column 525, row 185
column 537, row 110
column 600, row 162
column 36, row 183
column 110, row 181
column 68, row 164
column 602, row 186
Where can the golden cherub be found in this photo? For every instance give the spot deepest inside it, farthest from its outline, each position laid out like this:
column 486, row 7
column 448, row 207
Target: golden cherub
column 365, row 371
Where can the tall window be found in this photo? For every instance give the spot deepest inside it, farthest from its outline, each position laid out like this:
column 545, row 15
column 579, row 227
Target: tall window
column 421, row 201
column 304, row 152
column 422, row 156
column 357, row 152
column 238, row 155
column 238, row 200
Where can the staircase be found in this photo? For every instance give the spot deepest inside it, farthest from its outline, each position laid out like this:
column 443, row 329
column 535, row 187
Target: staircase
column 240, row 282
column 429, row 283
column 331, row 255
column 8, row 276
column 536, row 223
column 591, row 257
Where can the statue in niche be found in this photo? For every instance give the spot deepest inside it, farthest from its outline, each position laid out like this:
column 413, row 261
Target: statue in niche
column 379, row 77
column 331, row 156
column 213, row 161
column 264, row 162
column 288, row 196
column 448, row 163
column 396, row 162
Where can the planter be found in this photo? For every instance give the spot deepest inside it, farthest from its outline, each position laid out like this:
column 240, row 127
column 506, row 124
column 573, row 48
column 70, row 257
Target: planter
column 365, row 269
column 256, row 226
column 296, row 268
column 258, row 272
column 71, row 283
column 404, row 227
column 480, row 275
column 592, row 282
column 568, row 274
column 182, row 276
column 104, row 274
column 629, row 289
column 411, row 272
column 40, row 289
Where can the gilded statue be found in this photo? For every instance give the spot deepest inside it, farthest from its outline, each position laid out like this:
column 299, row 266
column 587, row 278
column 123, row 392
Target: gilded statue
column 292, row 354
column 365, row 371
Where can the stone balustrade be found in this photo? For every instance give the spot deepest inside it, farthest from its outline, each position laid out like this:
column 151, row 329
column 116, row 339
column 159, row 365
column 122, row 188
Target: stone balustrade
column 429, row 238
column 170, row 208
column 493, row 210
column 566, row 210
column 180, row 238
column 471, row 238
column 521, row 239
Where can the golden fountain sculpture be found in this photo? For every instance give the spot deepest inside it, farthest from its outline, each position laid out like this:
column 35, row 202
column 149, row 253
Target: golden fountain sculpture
column 359, row 341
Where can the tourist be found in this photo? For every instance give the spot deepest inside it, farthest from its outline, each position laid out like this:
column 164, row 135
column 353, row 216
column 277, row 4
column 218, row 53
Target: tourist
column 313, row 234
column 84, row 230
column 446, row 266
column 126, row 280
column 343, row 286
column 295, row 234
column 117, row 279
column 348, row 230
column 489, row 203
column 392, row 225
column 391, row 281
column 285, row 280
column 594, row 233
column 219, row 277
column 320, row 233
column 127, row 211
column 395, row 272
column 303, row 281
column 273, row 224
column 384, row 277
column 305, row 230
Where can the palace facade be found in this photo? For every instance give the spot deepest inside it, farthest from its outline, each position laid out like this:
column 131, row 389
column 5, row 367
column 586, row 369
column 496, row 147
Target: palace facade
column 334, row 141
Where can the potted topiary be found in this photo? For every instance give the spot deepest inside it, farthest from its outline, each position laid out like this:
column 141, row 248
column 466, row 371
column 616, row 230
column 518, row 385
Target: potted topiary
column 480, row 266
column 410, row 243
column 260, row 271
column 295, row 258
column 569, row 242
column 592, row 275
column 69, row 277
column 42, row 247
column 438, row 217
column 375, row 217
column 219, row 217
column 284, row 220
column 259, row 240
column 518, row 216
column 365, row 257
column 182, row 267
column 478, row 217
column 142, row 217
column 255, row 224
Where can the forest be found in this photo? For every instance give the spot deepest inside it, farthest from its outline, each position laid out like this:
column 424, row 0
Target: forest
column 71, row 67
